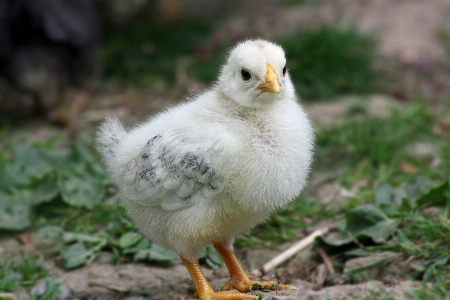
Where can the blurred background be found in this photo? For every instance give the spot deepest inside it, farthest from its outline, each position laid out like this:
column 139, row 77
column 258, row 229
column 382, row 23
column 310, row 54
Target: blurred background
column 373, row 75
column 60, row 58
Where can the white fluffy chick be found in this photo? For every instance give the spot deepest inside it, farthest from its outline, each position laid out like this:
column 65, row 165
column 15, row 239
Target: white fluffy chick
column 211, row 168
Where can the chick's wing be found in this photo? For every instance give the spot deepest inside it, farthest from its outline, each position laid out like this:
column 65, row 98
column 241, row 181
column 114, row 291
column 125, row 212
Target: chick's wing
column 171, row 173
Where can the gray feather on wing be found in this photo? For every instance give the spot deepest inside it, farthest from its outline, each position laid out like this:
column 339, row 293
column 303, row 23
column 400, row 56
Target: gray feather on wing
column 169, row 176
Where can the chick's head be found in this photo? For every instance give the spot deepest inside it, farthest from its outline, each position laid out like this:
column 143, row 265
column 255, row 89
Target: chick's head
column 255, row 74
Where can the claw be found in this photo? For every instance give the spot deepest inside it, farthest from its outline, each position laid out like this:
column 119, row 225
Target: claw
column 227, row 295
column 239, row 279
column 204, row 290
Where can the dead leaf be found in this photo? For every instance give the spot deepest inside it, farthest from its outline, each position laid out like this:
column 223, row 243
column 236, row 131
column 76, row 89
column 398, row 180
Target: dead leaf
column 442, row 127
column 408, row 168
column 8, row 296
column 24, row 239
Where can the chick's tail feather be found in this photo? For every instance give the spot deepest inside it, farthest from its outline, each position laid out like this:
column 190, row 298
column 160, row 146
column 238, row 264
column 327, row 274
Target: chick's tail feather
column 109, row 136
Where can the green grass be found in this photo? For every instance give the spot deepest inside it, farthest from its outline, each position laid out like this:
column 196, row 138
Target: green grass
column 377, row 140
column 327, row 62
column 416, row 225
column 381, row 294
column 376, row 148
column 145, row 50
column 324, row 63
column 26, row 273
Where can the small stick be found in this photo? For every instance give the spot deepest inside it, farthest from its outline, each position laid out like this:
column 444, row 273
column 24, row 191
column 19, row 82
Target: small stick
column 9, row 296
column 291, row 251
column 326, row 260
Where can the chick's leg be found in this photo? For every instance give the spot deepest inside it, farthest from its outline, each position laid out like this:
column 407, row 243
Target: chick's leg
column 239, row 279
column 204, row 290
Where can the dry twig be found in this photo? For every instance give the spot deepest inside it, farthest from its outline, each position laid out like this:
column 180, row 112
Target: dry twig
column 326, row 260
column 291, row 251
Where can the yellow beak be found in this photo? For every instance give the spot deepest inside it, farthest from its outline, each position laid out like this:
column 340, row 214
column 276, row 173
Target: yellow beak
column 272, row 83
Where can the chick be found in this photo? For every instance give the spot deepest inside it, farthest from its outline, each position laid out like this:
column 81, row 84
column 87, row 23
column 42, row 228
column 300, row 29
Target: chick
column 215, row 166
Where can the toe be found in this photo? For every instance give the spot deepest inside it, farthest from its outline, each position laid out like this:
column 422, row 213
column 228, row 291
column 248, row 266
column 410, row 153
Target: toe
column 286, row 287
column 264, row 286
column 227, row 295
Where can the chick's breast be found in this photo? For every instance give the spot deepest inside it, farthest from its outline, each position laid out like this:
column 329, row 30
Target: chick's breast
column 273, row 163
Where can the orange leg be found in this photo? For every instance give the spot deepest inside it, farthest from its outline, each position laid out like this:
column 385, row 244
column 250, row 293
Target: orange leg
column 204, row 290
column 239, row 279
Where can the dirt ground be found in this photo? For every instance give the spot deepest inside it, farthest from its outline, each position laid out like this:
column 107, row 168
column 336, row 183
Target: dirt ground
column 406, row 29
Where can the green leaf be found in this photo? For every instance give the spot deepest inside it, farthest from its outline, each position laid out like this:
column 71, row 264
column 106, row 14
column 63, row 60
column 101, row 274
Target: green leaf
column 12, row 175
column 15, row 213
column 203, row 254
column 146, row 251
column 387, row 194
column 373, row 265
column 50, row 232
column 56, row 157
column 46, row 189
column 437, row 196
column 141, row 251
column 32, row 159
column 76, row 255
column 405, row 206
column 79, row 189
column 129, row 239
column 418, row 186
column 358, row 252
column 371, row 221
column 160, row 253
column 35, row 174
column 69, row 237
column 82, row 154
column 362, row 222
column 50, row 289
column 214, row 260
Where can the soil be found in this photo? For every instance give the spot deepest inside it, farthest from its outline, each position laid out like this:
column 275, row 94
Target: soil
column 406, row 29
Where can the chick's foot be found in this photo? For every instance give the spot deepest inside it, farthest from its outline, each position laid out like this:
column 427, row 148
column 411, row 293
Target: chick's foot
column 204, row 290
column 226, row 295
column 247, row 285
column 239, row 279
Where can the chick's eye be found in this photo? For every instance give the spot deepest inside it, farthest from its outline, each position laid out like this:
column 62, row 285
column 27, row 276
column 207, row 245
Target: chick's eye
column 245, row 74
column 284, row 71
